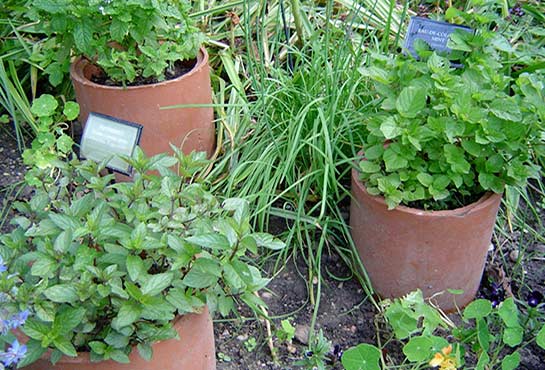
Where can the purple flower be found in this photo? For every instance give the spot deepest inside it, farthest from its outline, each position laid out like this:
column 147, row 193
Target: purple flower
column 534, row 298
column 14, row 354
column 3, row 267
column 4, row 327
column 18, row 319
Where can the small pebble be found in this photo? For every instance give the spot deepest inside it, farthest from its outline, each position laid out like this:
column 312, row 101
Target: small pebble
column 301, row 333
column 514, row 255
column 291, row 348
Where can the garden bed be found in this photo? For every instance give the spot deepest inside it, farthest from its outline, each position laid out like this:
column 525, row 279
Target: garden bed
column 345, row 315
column 347, row 318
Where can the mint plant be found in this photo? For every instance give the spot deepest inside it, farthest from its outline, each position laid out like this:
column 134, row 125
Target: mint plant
column 442, row 136
column 105, row 267
column 125, row 38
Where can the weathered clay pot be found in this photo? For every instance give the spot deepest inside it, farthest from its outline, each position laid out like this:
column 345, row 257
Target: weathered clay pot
column 405, row 248
column 187, row 128
column 194, row 351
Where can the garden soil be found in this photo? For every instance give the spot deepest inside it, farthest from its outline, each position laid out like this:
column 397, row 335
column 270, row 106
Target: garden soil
column 345, row 316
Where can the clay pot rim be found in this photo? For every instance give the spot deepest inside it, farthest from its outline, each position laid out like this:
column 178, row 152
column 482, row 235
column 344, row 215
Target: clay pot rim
column 85, row 357
column 77, row 68
column 483, row 202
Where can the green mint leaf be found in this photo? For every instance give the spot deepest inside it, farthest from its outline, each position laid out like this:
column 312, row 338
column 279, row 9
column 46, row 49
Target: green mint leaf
column 117, row 339
column 64, row 221
column 43, row 266
column 197, row 278
column 491, row 182
column 369, row 167
column 374, row 152
column 212, row 240
column 393, row 160
column 63, row 241
column 61, row 293
column 389, row 128
column 455, row 157
column 36, row 329
column 425, row 179
column 411, row 101
column 52, row 6
column 63, row 344
column 119, row 356
column 233, row 278
column 128, row 314
column 67, row 319
column 268, row 241
column 145, row 351
column 118, row 29
column 135, row 267
column 506, row 109
column 83, row 36
column 155, row 284
column 97, row 347
column 458, row 41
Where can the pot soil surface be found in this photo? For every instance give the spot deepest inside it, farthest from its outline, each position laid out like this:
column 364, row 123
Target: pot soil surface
column 344, row 316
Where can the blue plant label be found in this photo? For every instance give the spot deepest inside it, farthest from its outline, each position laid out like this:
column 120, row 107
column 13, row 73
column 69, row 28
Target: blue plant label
column 434, row 33
column 105, row 137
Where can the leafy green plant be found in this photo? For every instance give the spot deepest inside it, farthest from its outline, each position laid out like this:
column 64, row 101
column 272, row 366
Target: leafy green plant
column 492, row 335
column 316, row 357
column 52, row 143
column 250, row 344
column 286, row 332
column 104, row 266
column 125, row 38
column 443, row 136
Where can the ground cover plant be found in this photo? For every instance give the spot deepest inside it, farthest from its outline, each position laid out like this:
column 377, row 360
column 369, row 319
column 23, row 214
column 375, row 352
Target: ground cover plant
column 290, row 104
column 493, row 333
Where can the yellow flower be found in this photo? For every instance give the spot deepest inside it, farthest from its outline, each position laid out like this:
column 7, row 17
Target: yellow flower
column 444, row 359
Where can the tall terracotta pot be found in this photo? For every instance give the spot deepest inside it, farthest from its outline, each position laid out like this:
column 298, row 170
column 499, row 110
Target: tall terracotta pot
column 405, row 248
column 187, row 128
column 194, row 351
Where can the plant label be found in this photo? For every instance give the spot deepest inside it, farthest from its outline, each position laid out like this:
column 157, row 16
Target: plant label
column 109, row 137
column 434, row 33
